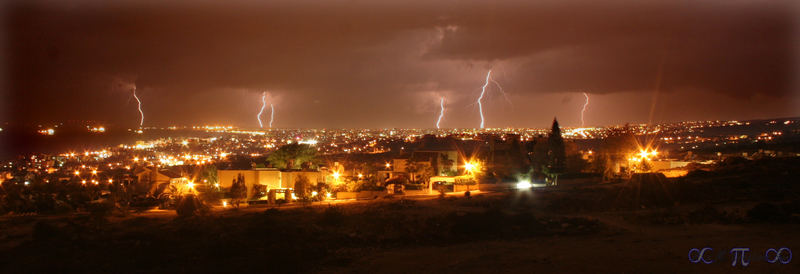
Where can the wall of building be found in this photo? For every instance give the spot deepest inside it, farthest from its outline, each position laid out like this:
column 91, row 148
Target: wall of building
column 272, row 178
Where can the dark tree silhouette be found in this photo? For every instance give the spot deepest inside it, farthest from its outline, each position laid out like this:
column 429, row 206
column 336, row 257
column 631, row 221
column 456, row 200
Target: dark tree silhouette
column 238, row 190
column 556, row 153
column 293, row 156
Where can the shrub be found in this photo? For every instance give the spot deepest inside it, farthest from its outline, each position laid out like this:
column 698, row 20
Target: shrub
column 190, row 206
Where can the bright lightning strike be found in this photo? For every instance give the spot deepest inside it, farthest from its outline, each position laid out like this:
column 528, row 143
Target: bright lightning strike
column 502, row 91
column 584, row 107
column 441, row 113
column 141, row 113
column 271, row 115
column 483, row 91
column 263, row 105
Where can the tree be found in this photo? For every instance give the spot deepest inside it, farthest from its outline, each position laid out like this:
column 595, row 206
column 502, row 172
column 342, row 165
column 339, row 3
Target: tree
column 412, row 168
column 293, row 156
column 426, row 174
column 209, row 176
column 211, row 192
column 302, row 187
column 614, row 151
column 556, row 152
column 448, row 166
column 238, row 190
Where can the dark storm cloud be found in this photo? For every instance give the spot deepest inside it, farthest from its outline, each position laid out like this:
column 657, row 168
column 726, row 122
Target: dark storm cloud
column 197, row 62
column 735, row 48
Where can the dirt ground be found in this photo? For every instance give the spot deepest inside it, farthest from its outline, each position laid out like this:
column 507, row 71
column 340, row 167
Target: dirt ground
column 646, row 250
column 488, row 233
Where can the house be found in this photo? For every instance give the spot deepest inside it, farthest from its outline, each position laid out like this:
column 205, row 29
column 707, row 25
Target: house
column 265, row 179
column 156, row 180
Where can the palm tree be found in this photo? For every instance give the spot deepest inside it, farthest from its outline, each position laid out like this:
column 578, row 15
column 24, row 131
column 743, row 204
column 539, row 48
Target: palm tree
column 412, row 168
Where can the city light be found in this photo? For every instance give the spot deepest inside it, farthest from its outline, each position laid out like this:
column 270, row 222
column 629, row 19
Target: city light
column 644, row 155
column 471, row 167
column 524, row 184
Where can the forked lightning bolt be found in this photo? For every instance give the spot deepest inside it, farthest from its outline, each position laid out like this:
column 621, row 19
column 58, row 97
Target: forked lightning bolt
column 441, row 112
column 271, row 115
column 483, row 91
column 263, row 105
column 584, row 107
column 141, row 119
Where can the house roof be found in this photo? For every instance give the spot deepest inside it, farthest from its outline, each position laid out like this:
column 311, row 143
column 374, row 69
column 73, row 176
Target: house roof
column 169, row 173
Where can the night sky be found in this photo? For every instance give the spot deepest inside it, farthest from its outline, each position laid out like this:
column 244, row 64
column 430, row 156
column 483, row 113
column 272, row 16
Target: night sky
column 370, row 64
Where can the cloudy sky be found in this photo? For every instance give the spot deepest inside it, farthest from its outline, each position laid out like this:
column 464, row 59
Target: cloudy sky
column 387, row 63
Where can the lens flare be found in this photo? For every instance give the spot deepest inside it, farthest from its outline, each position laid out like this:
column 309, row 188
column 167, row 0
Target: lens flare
column 263, row 105
column 441, row 112
column 584, row 107
column 141, row 119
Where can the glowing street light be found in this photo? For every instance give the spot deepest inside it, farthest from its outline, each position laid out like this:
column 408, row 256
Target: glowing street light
column 524, row 184
column 336, row 175
column 471, row 167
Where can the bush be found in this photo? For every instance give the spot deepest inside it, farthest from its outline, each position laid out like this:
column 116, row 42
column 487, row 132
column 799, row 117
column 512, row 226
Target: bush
column 190, row 206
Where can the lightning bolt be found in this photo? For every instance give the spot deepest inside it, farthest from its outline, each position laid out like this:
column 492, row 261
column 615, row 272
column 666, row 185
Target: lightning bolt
column 584, row 107
column 483, row 91
column 263, row 105
column 502, row 91
column 271, row 115
column 141, row 113
column 441, row 113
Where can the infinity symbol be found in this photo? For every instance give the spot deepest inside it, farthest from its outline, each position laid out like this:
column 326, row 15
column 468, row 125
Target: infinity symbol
column 700, row 257
column 778, row 256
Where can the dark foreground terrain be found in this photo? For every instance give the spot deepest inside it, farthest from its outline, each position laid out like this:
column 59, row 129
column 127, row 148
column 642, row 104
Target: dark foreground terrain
column 649, row 226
